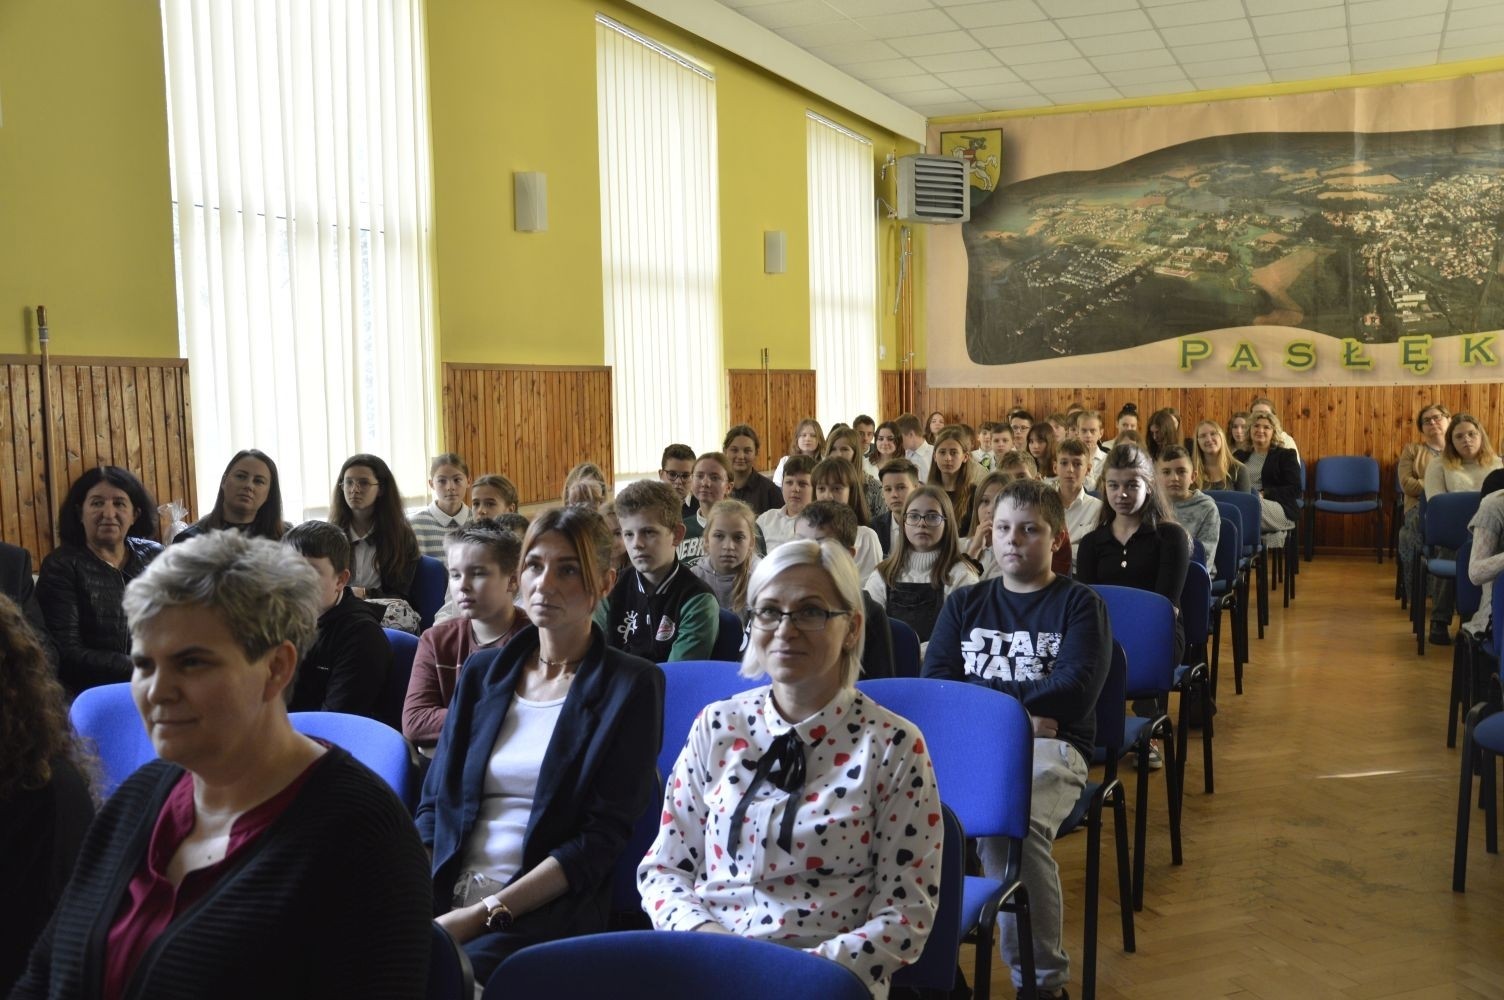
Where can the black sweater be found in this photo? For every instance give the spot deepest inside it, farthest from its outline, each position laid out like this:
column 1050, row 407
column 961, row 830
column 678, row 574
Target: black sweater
column 331, row 901
column 346, row 668
column 80, row 596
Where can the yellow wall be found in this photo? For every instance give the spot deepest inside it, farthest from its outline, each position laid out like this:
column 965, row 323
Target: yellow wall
column 535, row 298
column 85, row 200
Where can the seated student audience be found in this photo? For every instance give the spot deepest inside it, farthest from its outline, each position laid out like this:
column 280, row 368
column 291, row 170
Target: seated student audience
column 1263, row 404
column 1136, row 542
column 747, row 484
column 730, row 553
column 1237, row 431
column 752, row 794
column 710, row 483
column 249, row 860
column 1041, row 443
column 836, row 521
column 933, row 425
column 926, row 565
column 675, row 468
column 659, row 610
column 345, row 666
column 866, row 432
column 1020, row 422
column 837, row 480
column 482, row 561
column 982, row 454
column 566, row 731
column 491, row 496
column 1127, row 420
column 1487, row 561
column 887, row 444
column 952, row 470
column 899, row 478
column 1089, row 432
column 1082, row 510
column 586, row 485
column 16, row 583
column 1045, row 640
column 607, row 511
column 1275, row 475
column 1416, row 457
column 249, row 500
column 1466, row 460
column 1018, row 464
column 1196, row 512
column 915, row 448
column 448, row 479
column 809, row 440
column 108, row 527
column 1002, row 443
column 1216, row 468
column 976, row 546
column 777, row 525
column 844, row 444
column 367, row 507
column 45, row 800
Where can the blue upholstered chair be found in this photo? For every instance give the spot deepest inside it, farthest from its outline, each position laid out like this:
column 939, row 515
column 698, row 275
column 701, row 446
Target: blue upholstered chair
column 1444, row 520
column 1347, row 484
column 107, row 717
column 375, row 744
column 729, row 638
column 404, row 648
column 906, row 659
column 430, row 589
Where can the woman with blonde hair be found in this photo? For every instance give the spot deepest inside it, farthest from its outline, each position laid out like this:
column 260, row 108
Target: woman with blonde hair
column 730, row 553
column 1465, row 462
column 1216, row 468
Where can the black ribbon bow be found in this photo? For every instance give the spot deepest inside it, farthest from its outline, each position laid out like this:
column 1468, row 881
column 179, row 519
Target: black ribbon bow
column 783, row 767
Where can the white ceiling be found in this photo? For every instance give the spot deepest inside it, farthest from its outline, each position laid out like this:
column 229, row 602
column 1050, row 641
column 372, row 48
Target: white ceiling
column 957, row 57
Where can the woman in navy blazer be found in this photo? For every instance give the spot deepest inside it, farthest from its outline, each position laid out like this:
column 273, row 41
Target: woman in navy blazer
column 546, row 761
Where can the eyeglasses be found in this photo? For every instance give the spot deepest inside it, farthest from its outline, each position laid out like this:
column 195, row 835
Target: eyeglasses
column 804, row 619
column 674, row 477
column 933, row 519
column 358, row 484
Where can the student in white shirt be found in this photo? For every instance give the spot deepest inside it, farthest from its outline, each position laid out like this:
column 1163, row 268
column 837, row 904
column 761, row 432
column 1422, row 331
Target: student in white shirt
column 915, row 448
column 1082, row 510
column 448, row 479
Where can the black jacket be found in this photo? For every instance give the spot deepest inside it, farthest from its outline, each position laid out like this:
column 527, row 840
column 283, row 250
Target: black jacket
column 1281, row 477
column 17, row 584
column 346, row 668
column 80, row 596
column 883, row 525
column 760, row 493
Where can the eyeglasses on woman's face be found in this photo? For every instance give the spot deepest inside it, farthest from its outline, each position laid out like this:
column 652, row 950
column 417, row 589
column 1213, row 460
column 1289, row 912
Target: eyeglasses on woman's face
column 807, row 619
column 931, row 519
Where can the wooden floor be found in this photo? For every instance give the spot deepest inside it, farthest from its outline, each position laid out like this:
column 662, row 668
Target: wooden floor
column 1322, row 865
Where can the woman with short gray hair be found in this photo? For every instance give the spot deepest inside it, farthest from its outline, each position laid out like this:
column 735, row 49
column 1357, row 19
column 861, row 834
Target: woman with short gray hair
column 246, row 839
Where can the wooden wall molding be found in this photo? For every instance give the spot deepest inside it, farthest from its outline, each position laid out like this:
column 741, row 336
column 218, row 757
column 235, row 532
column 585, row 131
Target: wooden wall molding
column 773, row 402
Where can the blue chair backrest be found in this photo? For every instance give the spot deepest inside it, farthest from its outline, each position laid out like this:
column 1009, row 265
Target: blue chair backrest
column 1496, row 605
column 1347, row 476
column 106, row 716
column 1198, row 551
column 988, row 781
column 1196, row 605
column 637, row 965
column 624, row 895
column 375, row 744
column 449, row 974
column 1144, row 622
column 935, row 969
column 1229, row 546
column 1469, row 594
column 688, row 686
column 728, row 640
column 1112, row 710
column 1446, row 516
column 906, row 660
column 430, row 589
column 1251, row 514
column 404, row 648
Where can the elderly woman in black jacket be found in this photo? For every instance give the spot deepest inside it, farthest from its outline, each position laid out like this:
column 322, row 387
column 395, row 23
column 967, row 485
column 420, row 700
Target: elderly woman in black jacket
column 108, row 526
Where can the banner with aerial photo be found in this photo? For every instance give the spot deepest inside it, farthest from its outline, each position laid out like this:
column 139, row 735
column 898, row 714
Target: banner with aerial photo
column 1336, row 237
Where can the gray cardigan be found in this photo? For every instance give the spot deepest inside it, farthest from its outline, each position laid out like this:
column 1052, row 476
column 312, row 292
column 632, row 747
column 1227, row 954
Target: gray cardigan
column 1199, row 516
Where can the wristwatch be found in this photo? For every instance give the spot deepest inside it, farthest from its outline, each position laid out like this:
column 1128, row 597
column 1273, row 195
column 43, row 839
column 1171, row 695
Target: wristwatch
column 498, row 917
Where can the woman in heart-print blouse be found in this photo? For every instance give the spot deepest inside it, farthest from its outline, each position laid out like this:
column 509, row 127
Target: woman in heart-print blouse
column 802, row 813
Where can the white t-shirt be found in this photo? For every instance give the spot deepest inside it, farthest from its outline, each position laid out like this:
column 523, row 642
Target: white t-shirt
column 1080, row 520
column 777, row 527
column 506, row 803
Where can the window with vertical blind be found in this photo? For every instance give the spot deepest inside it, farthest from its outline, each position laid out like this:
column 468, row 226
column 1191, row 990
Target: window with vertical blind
column 660, row 247
column 302, row 202
column 843, row 319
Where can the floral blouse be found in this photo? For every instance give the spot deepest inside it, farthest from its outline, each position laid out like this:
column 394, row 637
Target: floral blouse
column 860, row 881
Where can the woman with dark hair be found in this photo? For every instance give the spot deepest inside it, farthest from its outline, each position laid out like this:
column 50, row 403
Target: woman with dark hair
column 108, row 526
column 845, row 443
column 887, row 444
column 1164, row 432
column 367, row 506
column 751, row 487
column 45, row 801
column 1042, row 449
column 547, row 757
column 1415, row 458
column 933, row 425
column 249, row 500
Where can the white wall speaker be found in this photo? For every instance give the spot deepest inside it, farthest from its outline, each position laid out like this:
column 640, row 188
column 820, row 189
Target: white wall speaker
column 774, row 251
column 530, row 195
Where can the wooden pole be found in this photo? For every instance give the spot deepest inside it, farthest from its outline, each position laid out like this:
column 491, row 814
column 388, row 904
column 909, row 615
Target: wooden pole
column 48, row 467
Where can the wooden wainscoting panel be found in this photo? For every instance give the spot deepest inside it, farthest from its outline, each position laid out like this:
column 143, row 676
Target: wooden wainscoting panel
column 773, row 402
column 531, row 424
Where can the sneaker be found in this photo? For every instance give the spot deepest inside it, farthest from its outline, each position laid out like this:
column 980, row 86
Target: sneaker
column 1439, row 635
column 1156, row 759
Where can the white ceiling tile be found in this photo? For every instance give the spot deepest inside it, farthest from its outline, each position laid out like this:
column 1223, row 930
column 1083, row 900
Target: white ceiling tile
column 1133, row 41
column 1155, row 89
column 1153, row 74
column 1104, row 24
column 1133, row 60
column 1021, row 103
column 909, row 84
column 919, row 22
column 883, row 69
column 1047, row 74
column 1477, row 35
column 1005, row 35
column 1396, row 46
column 964, row 79
column 1234, row 80
column 955, row 61
column 1204, row 34
column 1025, row 55
column 929, row 45
column 1197, row 12
column 1315, row 71
column 1302, row 8
column 1370, row 11
column 1323, row 39
column 845, row 53
column 1224, row 67
column 946, row 108
column 1458, row 53
column 867, row 8
column 999, row 92
column 1403, row 60
column 1477, row 16
column 1294, row 24
column 830, row 33
column 1216, row 50
column 915, row 98
column 984, row 15
column 1427, row 24
column 1067, row 84
column 1307, row 57
column 1083, row 8
column 790, row 13
column 1087, row 96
